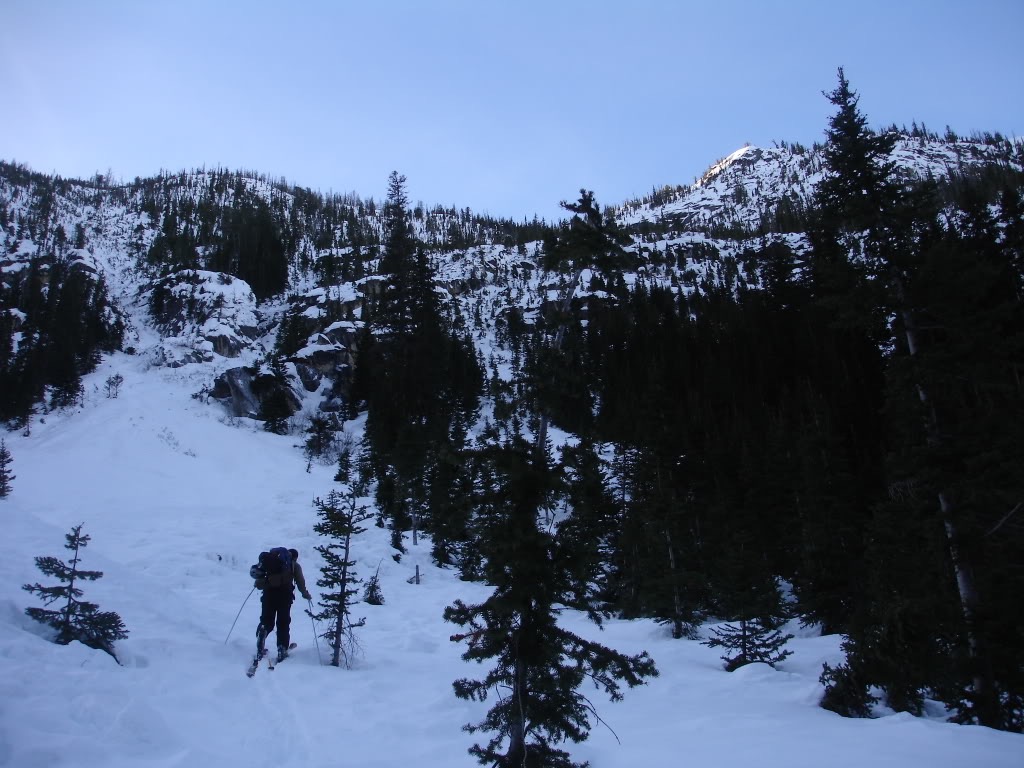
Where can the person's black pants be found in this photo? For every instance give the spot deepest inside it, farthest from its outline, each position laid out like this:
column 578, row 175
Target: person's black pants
column 277, row 608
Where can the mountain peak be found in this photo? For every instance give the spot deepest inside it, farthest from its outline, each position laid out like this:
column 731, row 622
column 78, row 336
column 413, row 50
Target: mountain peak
column 724, row 163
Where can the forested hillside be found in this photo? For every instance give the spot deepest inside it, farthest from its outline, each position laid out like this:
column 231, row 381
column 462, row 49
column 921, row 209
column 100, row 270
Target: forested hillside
column 790, row 389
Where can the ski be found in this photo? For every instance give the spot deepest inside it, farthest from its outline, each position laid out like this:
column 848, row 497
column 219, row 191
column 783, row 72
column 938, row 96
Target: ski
column 255, row 663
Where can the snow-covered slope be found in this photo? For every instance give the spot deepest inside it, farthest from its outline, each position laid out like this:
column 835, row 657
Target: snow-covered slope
column 179, row 500
column 743, row 191
column 688, row 238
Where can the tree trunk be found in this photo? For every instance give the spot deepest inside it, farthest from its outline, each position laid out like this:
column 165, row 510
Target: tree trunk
column 677, row 599
column 516, row 755
column 65, row 631
column 985, row 697
column 339, row 627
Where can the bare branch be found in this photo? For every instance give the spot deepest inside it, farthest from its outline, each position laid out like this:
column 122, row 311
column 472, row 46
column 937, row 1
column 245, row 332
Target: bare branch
column 1006, row 517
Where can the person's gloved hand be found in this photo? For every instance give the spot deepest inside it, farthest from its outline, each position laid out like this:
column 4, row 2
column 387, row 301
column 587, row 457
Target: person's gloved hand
column 307, row 596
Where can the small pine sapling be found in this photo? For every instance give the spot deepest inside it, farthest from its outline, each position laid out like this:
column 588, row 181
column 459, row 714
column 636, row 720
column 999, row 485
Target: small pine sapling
column 748, row 641
column 344, row 473
column 753, row 603
column 372, row 593
column 76, row 619
column 320, row 438
column 114, row 385
column 340, row 517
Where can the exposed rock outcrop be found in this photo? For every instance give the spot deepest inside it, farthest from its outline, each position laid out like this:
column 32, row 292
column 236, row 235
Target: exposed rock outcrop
column 245, row 392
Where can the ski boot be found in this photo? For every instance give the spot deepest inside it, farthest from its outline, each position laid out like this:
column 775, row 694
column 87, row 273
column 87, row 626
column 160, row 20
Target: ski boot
column 261, row 641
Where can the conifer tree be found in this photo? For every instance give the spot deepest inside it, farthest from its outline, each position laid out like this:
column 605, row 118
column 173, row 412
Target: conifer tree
column 321, row 437
column 420, row 381
column 587, row 534
column 590, row 241
column 538, row 665
column 859, row 185
column 5, row 470
column 273, row 395
column 857, row 202
column 341, row 516
column 372, row 592
column 76, row 619
column 747, row 641
column 940, row 291
column 748, row 594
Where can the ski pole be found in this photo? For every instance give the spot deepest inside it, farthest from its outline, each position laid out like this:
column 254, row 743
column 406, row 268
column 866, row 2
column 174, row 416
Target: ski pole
column 237, row 615
column 315, row 639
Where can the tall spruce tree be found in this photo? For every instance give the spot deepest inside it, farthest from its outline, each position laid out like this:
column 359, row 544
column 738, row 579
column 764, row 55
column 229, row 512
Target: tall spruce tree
column 589, row 241
column 419, row 380
column 856, row 203
column 949, row 288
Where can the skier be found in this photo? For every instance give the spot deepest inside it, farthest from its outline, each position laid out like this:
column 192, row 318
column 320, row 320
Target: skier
column 277, row 607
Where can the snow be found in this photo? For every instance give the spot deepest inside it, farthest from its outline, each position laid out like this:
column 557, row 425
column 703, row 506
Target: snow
column 721, row 165
column 179, row 499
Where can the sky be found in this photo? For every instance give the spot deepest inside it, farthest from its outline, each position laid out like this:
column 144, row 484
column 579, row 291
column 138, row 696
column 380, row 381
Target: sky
column 504, row 107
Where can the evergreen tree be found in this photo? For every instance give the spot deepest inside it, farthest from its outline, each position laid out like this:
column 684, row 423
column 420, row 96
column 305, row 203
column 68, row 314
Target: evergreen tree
column 538, row 665
column 68, row 322
column 340, row 518
column 419, row 381
column 857, row 201
column 955, row 405
column 276, row 406
column 344, row 472
column 748, row 641
column 409, row 295
column 449, row 500
column 859, row 186
column 656, row 558
column 113, row 385
column 76, row 619
column 5, row 470
column 590, row 241
column 372, row 593
column 587, row 534
column 321, row 437
column 290, row 336
column 252, row 246
column 940, row 290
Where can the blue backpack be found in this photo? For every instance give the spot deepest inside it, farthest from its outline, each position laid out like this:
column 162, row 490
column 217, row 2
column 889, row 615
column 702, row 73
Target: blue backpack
column 274, row 569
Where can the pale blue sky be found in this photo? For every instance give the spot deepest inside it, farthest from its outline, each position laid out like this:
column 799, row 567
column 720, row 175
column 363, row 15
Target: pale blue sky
column 505, row 107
